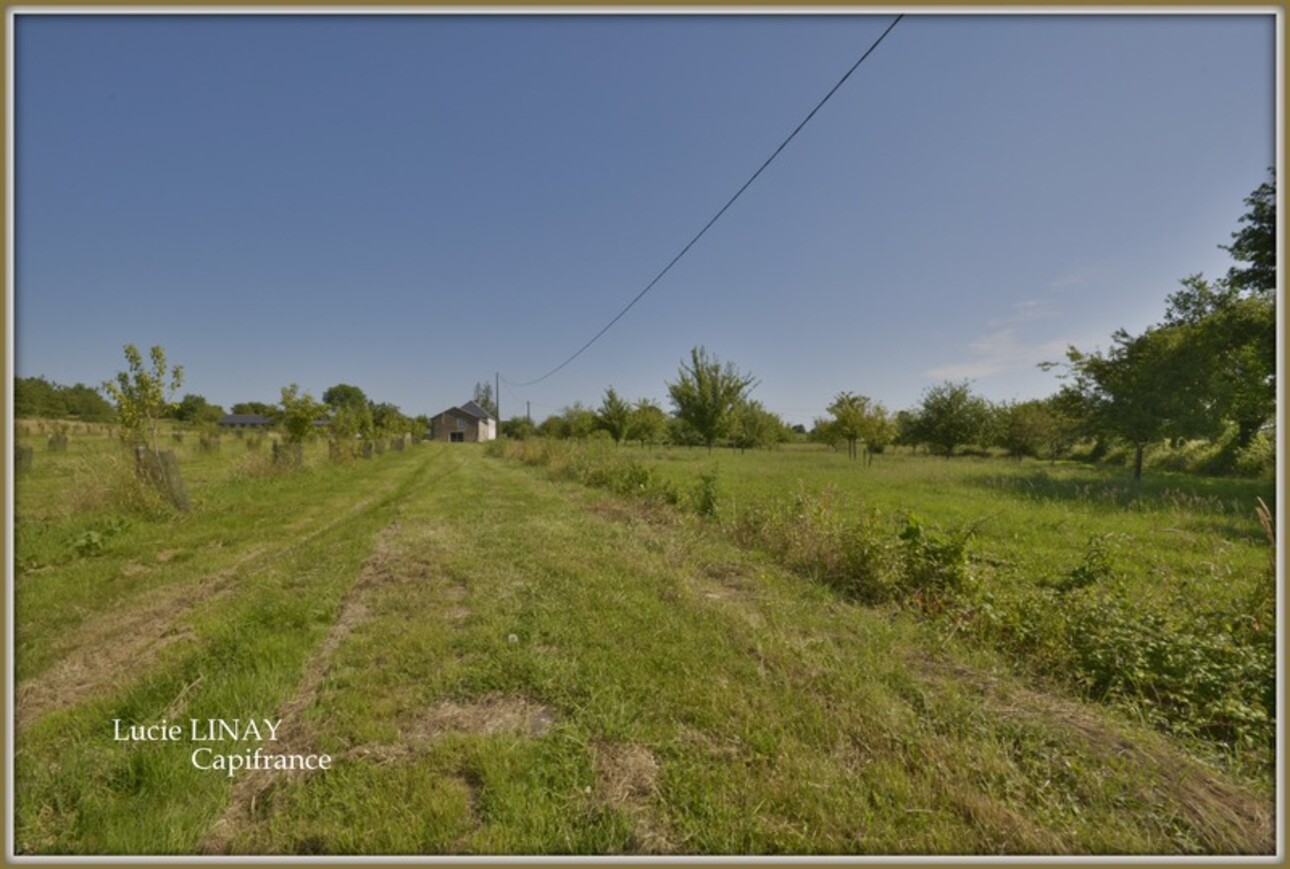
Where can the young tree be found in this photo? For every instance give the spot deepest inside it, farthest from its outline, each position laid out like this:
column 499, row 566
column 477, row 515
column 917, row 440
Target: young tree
column 706, row 393
column 848, row 412
column 753, row 426
column 342, row 431
column 648, row 423
column 949, row 415
column 856, row 419
column 826, row 431
column 298, row 413
column 879, row 431
column 143, row 396
column 614, row 415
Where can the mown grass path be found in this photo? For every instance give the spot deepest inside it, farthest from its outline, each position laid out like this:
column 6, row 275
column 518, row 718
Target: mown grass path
column 500, row 664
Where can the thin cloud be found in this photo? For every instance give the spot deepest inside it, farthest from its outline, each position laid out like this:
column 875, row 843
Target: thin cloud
column 1075, row 278
column 1004, row 349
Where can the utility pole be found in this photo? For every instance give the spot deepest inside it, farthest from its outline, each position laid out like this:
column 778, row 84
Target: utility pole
column 528, row 411
column 497, row 397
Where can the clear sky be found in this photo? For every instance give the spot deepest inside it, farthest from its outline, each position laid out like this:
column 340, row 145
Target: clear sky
column 411, row 203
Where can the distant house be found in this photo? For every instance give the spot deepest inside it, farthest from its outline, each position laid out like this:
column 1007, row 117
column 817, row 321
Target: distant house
column 466, row 424
column 244, row 420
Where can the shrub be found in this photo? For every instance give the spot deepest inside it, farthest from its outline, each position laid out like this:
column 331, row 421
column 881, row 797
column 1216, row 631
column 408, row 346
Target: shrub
column 934, row 563
column 705, row 494
column 1095, row 567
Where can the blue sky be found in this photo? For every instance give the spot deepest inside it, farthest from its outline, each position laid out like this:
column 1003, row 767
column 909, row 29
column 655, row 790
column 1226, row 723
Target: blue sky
column 412, row 203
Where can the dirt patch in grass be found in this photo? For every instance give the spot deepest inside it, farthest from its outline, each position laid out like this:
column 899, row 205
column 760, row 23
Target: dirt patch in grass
column 627, row 780
column 1226, row 817
column 486, row 716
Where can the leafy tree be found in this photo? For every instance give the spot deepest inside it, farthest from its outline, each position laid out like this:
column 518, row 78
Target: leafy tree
column 614, row 415
column 574, row 421
column 343, row 428
column 648, row 423
column 345, row 395
column 143, row 396
column 1141, row 390
column 388, row 420
column 880, row 430
column 196, row 409
column 857, row 418
column 484, row 397
column 519, row 428
column 1038, row 428
column 907, row 432
column 258, row 408
column 85, row 403
column 826, row 431
column 706, row 393
column 753, row 426
column 554, row 426
column 1231, row 347
column 298, row 412
column 1256, row 243
column 848, row 412
column 948, row 416
column 579, row 420
column 682, row 434
column 36, row 397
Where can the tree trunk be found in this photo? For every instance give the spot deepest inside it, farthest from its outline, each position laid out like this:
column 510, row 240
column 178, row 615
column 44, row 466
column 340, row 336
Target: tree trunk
column 1137, row 461
column 1246, row 430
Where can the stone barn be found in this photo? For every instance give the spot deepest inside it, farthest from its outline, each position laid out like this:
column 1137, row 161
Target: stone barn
column 468, row 423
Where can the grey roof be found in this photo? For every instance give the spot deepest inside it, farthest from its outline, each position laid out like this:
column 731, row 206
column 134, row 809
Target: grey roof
column 475, row 410
column 245, row 419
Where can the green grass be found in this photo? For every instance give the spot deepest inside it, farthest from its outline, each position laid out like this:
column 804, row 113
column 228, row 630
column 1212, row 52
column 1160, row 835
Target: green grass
column 1156, row 596
column 503, row 664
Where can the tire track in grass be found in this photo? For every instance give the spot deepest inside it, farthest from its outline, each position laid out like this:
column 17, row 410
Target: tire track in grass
column 127, row 642
column 251, row 788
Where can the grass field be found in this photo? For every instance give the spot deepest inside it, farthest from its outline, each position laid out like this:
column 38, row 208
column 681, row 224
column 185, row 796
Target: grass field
column 1157, row 597
column 503, row 663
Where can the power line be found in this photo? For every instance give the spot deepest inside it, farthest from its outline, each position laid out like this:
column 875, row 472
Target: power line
column 717, row 216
